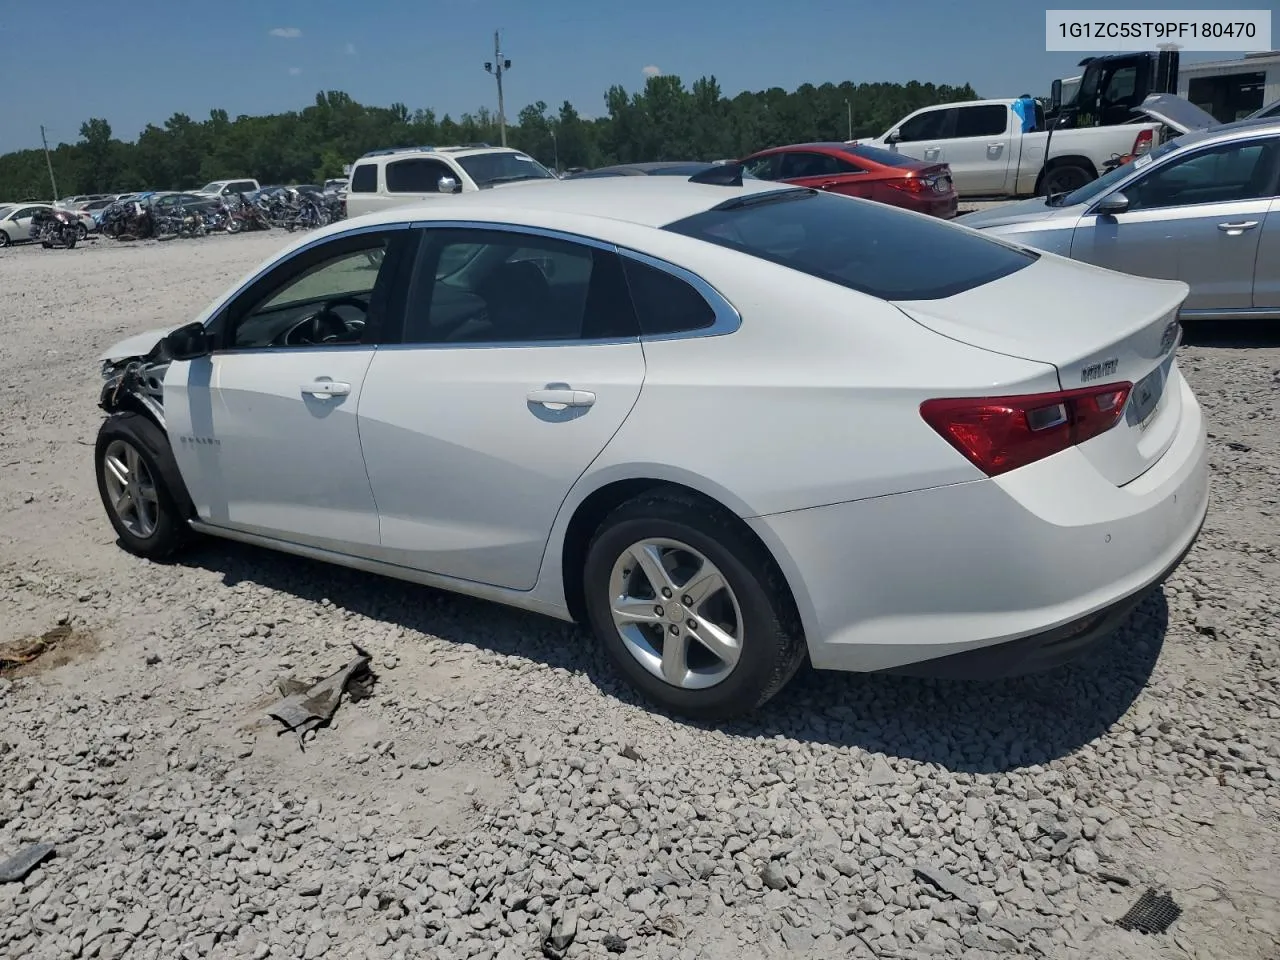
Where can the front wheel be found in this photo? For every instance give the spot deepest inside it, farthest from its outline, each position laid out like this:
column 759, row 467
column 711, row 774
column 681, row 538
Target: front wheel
column 690, row 607
column 81, row 231
column 140, row 486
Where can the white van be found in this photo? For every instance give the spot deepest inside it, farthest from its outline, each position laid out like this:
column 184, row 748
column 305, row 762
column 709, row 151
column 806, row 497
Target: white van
column 392, row 178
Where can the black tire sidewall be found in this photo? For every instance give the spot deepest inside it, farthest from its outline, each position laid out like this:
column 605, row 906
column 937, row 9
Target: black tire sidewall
column 751, row 679
column 1072, row 172
column 153, row 447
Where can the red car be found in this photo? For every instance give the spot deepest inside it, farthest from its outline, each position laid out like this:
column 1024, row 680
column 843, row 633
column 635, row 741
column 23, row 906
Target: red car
column 856, row 170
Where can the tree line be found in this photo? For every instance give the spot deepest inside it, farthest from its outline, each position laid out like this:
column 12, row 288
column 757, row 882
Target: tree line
column 664, row 121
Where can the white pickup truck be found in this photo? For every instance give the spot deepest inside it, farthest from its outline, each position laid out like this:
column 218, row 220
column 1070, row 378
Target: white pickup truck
column 989, row 155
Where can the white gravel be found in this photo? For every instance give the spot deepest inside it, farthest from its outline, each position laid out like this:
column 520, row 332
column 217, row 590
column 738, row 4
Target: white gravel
column 500, row 786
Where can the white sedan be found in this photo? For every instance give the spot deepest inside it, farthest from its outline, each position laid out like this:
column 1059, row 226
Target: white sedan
column 725, row 424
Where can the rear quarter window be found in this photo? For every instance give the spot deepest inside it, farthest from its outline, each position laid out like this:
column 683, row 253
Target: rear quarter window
column 364, row 178
column 868, row 247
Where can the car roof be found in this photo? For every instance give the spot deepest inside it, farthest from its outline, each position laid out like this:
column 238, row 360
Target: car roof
column 644, row 201
column 451, row 151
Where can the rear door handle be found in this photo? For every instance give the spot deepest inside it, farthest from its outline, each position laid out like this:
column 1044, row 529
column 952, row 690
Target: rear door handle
column 1235, row 229
column 562, row 397
column 326, row 388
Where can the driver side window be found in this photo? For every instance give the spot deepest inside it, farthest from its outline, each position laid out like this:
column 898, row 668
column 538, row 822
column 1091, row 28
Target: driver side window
column 325, row 296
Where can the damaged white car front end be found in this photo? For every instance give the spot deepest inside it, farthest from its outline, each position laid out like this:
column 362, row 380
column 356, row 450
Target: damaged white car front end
column 133, row 371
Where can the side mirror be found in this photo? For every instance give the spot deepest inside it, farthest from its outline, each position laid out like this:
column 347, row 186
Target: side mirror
column 188, row 343
column 1055, row 96
column 448, row 185
column 1116, row 203
column 894, row 137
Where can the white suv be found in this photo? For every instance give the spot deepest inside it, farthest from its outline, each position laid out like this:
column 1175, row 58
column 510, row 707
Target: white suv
column 391, row 178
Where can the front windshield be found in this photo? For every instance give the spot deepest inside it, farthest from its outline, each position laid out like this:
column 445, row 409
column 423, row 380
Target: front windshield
column 1091, row 191
column 212, row 187
column 487, row 169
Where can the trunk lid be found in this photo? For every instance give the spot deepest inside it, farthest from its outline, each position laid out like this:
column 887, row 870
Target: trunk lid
column 1175, row 112
column 1096, row 327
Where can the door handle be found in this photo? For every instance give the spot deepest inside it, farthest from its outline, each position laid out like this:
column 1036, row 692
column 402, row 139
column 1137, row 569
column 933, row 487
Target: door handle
column 1235, row 229
column 562, row 397
column 326, row 388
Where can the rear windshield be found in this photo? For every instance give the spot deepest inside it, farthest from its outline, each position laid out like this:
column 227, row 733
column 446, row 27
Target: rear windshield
column 865, row 246
column 887, row 158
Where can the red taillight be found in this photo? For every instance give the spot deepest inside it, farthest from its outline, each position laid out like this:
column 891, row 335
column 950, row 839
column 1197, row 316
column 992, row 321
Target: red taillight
column 911, row 185
column 999, row 434
column 1142, row 143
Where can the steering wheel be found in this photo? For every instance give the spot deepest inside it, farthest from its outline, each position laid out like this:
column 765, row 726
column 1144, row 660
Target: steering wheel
column 325, row 326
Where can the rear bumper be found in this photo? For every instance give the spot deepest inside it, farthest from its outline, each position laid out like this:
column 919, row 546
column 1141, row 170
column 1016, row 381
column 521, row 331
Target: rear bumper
column 991, row 577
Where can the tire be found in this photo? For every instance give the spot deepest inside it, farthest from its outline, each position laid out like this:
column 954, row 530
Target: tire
column 165, row 528
column 4, row 239
column 1064, row 179
column 71, row 241
column 768, row 641
column 82, row 231
column 234, row 225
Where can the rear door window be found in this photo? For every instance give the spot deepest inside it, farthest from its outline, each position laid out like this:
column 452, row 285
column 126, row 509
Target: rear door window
column 986, row 120
column 868, row 247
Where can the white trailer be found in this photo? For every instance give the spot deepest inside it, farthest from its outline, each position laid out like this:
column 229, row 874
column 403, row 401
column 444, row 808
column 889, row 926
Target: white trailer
column 1232, row 89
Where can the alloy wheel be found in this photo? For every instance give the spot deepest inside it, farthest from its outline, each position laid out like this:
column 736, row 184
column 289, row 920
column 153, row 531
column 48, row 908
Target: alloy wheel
column 131, row 489
column 676, row 613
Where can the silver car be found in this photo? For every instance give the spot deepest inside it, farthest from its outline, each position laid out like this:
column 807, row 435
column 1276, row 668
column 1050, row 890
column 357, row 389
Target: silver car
column 1201, row 208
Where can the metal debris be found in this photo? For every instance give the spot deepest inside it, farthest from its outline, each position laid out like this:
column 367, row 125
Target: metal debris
column 1153, row 913
column 305, row 709
column 19, row 865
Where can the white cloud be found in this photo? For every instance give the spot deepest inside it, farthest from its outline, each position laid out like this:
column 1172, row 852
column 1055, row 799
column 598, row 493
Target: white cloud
column 651, row 70
column 351, row 49
column 289, row 33
column 294, row 71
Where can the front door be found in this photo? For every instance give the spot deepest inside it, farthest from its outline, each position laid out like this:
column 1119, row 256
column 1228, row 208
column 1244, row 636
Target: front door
column 265, row 429
column 520, row 359
column 1196, row 218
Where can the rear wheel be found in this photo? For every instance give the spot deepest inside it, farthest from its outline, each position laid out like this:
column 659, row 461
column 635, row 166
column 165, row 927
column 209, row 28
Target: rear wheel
column 81, row 231
column 1065, row 179
column 692, row 611
column 4, row 239
column 140, row 486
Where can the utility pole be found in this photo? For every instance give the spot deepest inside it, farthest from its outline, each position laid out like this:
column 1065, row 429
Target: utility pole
column 849, row 111
column 52, row 182
column 498, row 67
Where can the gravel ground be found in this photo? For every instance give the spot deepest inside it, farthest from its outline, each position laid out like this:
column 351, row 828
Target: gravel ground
column 499, row 786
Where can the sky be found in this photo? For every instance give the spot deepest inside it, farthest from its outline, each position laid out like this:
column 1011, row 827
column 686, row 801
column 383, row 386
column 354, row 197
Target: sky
column 142, row 61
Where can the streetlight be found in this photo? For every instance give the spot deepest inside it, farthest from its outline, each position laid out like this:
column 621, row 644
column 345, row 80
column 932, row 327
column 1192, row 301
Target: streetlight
column 848, row 109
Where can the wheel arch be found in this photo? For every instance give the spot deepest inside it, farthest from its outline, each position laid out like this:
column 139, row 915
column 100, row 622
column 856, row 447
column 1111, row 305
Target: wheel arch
column 590, row 507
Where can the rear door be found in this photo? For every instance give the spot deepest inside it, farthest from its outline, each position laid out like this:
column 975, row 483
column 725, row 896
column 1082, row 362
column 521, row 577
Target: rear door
column 1197, row 217
column 979, row 147
column 519, row 360
column 822, row 171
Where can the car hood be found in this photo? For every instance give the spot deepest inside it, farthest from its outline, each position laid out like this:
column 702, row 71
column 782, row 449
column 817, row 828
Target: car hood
column 139, row 345
column 1024, row 211
column 1175, row 112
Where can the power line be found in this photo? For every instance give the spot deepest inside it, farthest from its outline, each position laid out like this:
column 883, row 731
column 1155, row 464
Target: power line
column 498, row 66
